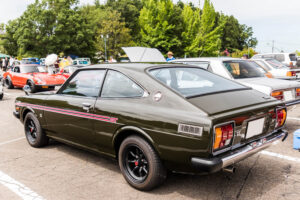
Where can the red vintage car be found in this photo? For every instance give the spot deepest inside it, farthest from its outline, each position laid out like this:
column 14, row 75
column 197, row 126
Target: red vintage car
column 34, row 76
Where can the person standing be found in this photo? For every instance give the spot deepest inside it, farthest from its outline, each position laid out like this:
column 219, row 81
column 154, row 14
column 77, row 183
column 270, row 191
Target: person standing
column 5, row 64
column 170, row 56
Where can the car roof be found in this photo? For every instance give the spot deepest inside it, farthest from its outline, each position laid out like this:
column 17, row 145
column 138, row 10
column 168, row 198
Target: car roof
column 135, row 66
column 207, row 59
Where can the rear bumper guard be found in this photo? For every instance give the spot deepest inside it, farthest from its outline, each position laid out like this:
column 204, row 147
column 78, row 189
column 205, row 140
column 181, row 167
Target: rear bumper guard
column 216, row 164
column 291, row 103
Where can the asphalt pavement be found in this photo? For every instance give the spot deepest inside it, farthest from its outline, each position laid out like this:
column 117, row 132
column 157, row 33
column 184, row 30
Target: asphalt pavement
column 62, row 172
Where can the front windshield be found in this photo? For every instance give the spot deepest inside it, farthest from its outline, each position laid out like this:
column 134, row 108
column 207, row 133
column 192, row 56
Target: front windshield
column 192, row 81
column 29, row 69
column 244, row 69
column 275, row 63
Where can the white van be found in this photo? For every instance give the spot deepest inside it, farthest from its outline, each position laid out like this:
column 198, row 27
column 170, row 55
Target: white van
column 289, row 59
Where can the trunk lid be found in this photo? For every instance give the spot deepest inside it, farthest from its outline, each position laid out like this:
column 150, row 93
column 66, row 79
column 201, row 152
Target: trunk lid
column 229, row 101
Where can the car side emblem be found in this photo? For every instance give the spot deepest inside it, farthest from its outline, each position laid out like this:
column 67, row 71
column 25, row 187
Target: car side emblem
column 157, row 96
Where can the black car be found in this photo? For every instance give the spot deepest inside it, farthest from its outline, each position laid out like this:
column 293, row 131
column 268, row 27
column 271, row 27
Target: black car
column 154, row 118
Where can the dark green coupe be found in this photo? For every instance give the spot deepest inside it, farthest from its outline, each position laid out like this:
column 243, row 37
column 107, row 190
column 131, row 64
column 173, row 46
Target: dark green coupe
column 154, row 118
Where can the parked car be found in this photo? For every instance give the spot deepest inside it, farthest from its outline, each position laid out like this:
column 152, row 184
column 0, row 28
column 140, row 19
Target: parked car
column 1, row 88
column 82, row 61
column 69, row 70
column 155, row 117
column 278, row 70
column 30, row 74
column 250, row 74
column 288, row 59
column 42, row 61
column 30, row 61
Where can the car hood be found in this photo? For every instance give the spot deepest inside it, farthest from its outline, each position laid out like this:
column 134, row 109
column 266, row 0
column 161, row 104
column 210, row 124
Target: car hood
column 143, row 54
column 49, row 79
column 229, row 101
column 274, row 84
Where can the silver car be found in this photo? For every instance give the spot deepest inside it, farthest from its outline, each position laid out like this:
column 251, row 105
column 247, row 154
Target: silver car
column 278, row 70
column 250, row 74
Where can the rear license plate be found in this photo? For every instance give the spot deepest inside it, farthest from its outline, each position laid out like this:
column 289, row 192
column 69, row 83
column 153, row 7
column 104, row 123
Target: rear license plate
column 44, row 86
column 288, row 96
column 255, row 127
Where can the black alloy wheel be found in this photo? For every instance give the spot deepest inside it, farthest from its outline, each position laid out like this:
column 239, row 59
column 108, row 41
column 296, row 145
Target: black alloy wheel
column 136, row 163
column 33, row 131
column 8, row 83
column 31, row 86
column 140, row 164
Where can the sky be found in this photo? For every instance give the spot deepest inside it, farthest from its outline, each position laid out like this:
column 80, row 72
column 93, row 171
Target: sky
column 271, row 20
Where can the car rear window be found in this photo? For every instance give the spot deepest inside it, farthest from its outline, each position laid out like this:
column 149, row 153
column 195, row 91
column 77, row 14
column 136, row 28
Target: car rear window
column 192, row 81
column 244, row 69
column 263, row 65
column 275, row 63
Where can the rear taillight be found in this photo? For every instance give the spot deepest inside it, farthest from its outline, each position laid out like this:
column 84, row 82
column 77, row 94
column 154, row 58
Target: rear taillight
column 223, row 136
column 298, row 92
column 291, row 73
column 280, row 117
column 277, row 94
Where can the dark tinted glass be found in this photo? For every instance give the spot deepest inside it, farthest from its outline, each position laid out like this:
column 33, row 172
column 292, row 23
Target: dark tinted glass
column 293, row 57
column 85, row 83
column 244, row 69
column 190, row 81
column 117, row 85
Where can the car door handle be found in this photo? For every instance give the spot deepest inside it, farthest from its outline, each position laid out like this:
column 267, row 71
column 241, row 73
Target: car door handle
column 86, row 106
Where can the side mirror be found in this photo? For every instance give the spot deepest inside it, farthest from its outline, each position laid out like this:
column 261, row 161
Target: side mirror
column 27, row 89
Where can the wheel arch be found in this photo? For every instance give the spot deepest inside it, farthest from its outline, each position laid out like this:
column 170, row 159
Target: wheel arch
column 25, row 111
column 126, row 131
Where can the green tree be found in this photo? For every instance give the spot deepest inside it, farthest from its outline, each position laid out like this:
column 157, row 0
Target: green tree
column 118, row 34
column 236, row 36
column 130, row 12
column 54, row 25
column 160, row 23
column 208, row 41
column 191, row 27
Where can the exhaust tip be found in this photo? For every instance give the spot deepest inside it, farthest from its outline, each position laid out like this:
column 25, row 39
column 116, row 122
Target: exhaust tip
column 230, row 169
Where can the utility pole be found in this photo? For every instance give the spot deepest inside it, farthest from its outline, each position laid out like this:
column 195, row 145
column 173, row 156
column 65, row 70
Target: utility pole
column 273, row 41
column 105, row 37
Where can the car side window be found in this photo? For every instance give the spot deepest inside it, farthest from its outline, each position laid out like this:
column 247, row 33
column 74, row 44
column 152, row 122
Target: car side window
column 85, row 83
column 117, row 85
column 17, row 69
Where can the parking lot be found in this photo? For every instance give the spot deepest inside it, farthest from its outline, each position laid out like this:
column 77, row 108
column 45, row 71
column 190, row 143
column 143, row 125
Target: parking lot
column 59, row 171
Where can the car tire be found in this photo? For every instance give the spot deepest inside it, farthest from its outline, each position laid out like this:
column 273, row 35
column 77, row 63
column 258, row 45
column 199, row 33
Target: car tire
column 1, row 96
column 8, row 83
column 34, row 132
column 140, row 164
column 32, row 86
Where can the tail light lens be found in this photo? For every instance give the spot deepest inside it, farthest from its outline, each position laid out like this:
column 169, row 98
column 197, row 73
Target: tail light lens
column 277, row 94
column 298, row 92
column 280, row 117
column 291, row 73
column 269, row 75
column 223, row 136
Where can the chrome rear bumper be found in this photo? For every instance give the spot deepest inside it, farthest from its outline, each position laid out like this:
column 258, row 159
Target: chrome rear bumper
column 217, row 163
